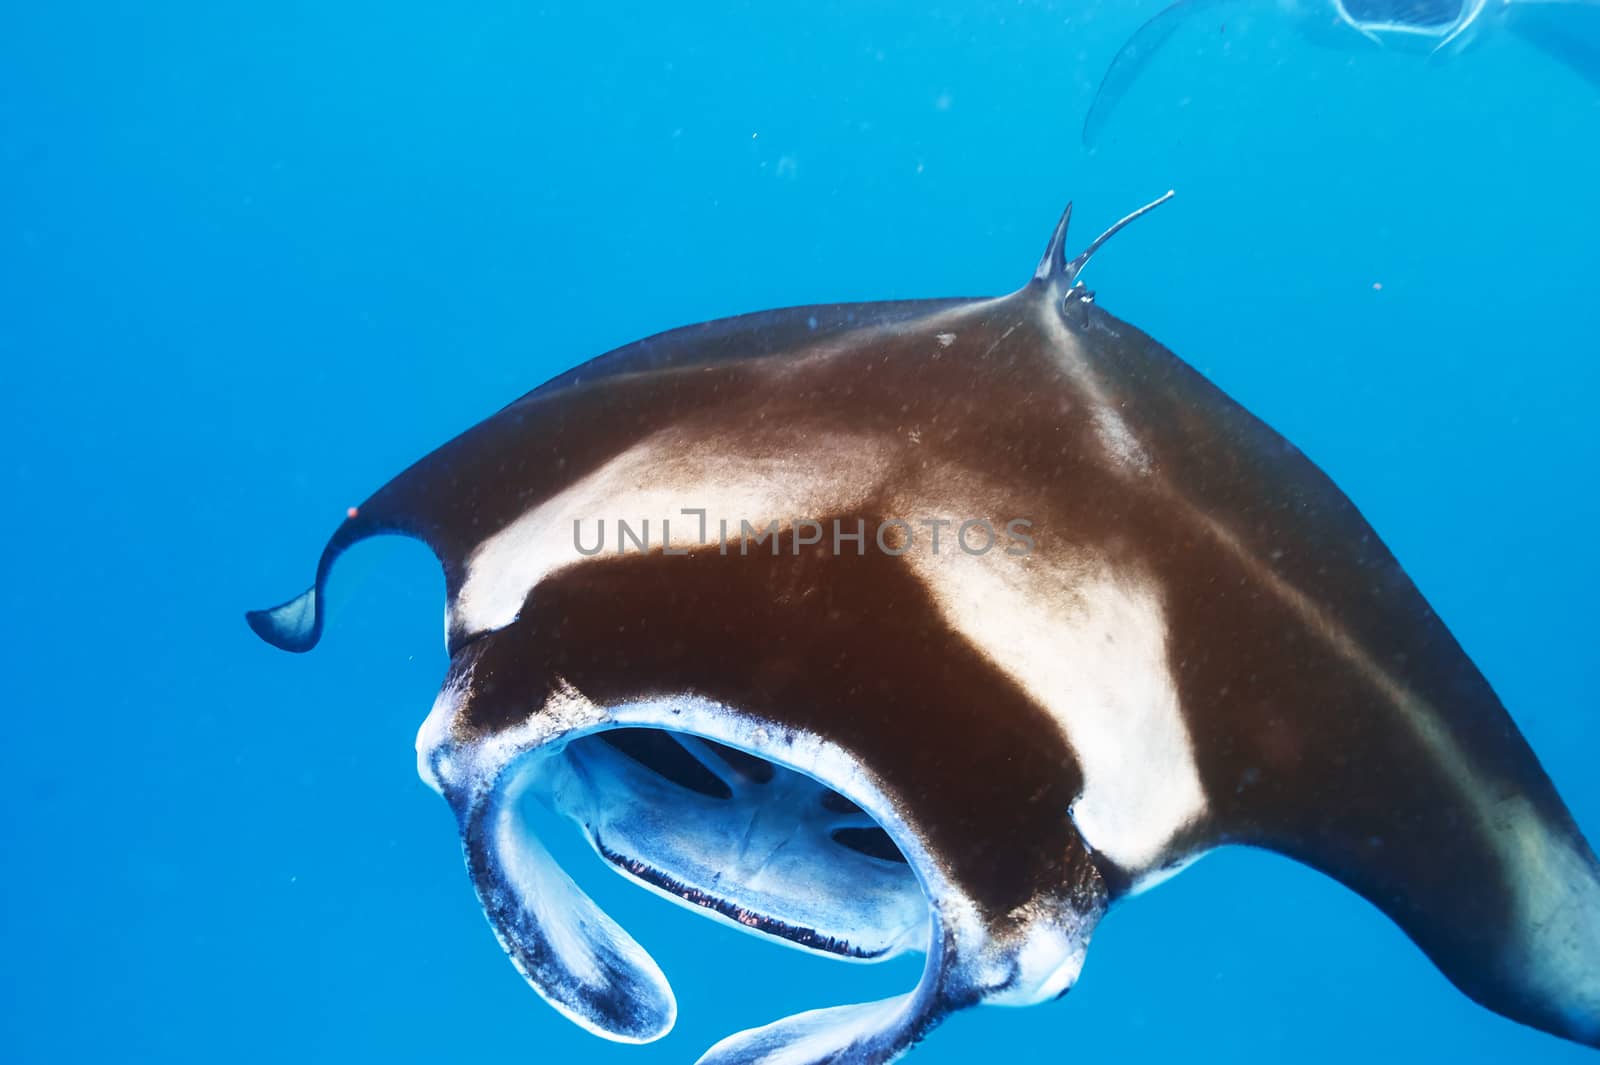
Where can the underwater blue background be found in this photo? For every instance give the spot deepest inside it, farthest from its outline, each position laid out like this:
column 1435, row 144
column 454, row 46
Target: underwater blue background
column 254, row 259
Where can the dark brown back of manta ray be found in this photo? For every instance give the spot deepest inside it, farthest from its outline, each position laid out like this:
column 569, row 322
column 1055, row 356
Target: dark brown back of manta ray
column 1333, row 716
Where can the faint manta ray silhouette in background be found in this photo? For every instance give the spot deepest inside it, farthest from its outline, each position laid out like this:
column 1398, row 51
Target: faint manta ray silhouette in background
column 1568, row 30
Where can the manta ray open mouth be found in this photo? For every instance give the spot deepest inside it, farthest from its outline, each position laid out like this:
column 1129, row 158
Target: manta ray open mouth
column 776, row 836
column 721, row 830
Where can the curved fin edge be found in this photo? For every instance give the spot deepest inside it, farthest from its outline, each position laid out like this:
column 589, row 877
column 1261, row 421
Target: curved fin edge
column 294, row 626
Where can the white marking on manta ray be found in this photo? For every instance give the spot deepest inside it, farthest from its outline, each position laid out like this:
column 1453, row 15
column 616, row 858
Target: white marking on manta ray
column 1088, row 643
column 655, row 480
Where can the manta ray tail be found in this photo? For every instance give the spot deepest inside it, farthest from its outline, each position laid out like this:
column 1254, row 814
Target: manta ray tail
column 1134, row 57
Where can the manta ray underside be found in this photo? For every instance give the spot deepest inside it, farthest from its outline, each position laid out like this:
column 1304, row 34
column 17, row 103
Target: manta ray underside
column 941, row 626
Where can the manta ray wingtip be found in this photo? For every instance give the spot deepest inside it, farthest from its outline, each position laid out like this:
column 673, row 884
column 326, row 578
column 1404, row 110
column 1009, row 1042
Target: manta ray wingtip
column 293, row 626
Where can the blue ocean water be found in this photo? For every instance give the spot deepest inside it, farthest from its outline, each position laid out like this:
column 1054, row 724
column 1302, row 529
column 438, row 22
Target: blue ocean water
column 254, row 260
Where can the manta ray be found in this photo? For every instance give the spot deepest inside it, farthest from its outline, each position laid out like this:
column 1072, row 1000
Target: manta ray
column 1567, row 30
column 943, row 626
